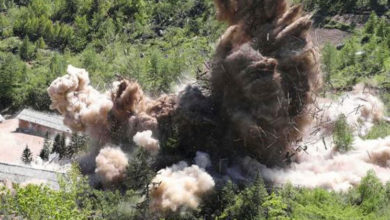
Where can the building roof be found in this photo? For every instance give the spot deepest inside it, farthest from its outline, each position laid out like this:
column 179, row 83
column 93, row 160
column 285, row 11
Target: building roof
column 48, row 120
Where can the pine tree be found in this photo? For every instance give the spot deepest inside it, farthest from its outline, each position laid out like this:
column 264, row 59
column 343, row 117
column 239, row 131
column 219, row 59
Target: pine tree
column 77, row 143
column 139, row 171
column 27, row 50
column 62, row 147
column 45, row 152
column 40, row 43
column 56, row 144
column 27, row 155
column 370, row 26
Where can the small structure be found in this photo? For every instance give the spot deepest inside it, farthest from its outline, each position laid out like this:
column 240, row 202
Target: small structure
column 41, row 123
column 1, row 119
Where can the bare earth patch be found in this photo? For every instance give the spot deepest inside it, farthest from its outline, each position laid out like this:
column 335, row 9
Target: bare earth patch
column 320, row 36
column 12, row 143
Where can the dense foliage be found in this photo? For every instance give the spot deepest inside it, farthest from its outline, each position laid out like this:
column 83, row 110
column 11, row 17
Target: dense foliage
column 76, row 200
column 365, row 57
column 332, row 7
column 154, row 42
column 157, row 42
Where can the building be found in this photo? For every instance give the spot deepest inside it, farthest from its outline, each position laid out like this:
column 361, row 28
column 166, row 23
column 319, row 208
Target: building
column 40, row 123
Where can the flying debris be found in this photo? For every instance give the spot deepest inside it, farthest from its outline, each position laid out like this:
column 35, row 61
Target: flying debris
column 262, row 85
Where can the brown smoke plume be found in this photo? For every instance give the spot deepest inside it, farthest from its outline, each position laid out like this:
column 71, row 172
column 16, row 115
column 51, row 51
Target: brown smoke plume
column 265, row 75
column 111, row 164
column 179, row 186
column 263, row 78
column 123, row 111
column 83, row 107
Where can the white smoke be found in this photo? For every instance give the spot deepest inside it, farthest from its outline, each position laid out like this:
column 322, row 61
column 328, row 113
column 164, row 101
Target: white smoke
column 361, row 108
column 202, row 160
column 179, row 186
column 318, row 164
column 52, row 164
column 336, row 171
column 145, row 140
column 111, row 164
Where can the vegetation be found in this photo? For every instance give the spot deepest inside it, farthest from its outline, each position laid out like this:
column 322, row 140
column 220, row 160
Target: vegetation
column 59, row 146
column 27, row 155
column 365, row 57
column 76, row 200
column 342, row 135
column 45, row 152
column 380, row 130
column 77, row 144
column 154, row 42
column 157, row 42
column 332, row 7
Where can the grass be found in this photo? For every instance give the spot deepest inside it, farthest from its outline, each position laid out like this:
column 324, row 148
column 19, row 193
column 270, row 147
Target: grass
column 380, row 130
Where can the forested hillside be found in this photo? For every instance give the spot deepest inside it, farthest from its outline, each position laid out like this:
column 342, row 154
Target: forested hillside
column 154, row 42
column 160, row 43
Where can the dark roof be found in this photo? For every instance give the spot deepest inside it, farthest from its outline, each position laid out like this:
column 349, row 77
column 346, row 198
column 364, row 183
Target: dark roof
column 49, row 120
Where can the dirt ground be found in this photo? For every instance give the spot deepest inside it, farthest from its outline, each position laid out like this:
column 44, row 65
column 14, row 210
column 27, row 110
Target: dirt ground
column 320, row 36
column 12, row 143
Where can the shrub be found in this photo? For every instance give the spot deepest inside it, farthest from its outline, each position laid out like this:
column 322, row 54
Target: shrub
column 342, row 135
column 380, row 130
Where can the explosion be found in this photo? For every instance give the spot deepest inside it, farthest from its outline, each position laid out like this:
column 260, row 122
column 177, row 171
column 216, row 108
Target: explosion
column 84, row 108
column 265, row 74
column 263, row 78
column 145, row 140
column 179, row 186
column 263, row 81
column 319, row 164
column 111, row 164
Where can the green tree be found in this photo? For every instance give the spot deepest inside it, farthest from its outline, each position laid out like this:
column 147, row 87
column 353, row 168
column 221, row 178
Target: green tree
column 41, row 43
column 45, row 152
column 62, row 150
column 370, row 26
column 27, row 155
column 81, row 36
column 139, row 171
column 77, row 143
column 59, row 145
column 27, row 50
column 57, row 65
column 342, row 135
column 372, row 194
column 12, row 79
column 248, row 203
column 329, row 59
column 56, row 144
